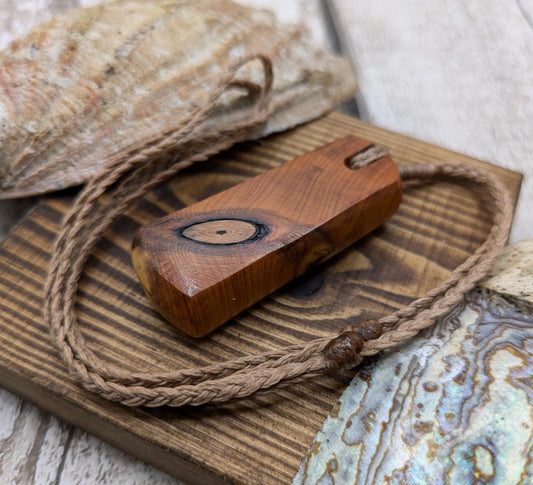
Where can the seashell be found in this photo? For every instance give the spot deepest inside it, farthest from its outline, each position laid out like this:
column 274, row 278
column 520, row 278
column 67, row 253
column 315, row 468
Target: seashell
column 97, row 82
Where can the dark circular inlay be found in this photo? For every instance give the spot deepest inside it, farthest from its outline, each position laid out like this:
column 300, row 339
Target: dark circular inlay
column 224, row 231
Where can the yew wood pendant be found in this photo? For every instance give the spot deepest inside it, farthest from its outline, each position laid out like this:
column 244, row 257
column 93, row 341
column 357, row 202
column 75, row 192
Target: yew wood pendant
column 204, row 264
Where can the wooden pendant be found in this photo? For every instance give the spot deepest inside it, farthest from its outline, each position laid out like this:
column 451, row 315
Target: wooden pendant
column 206, row 263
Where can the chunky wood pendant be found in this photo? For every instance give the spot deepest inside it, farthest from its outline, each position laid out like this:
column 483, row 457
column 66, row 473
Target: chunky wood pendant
column 206, row 263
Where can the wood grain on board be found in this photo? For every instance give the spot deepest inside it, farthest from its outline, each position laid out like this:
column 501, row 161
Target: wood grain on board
column 202, row 265
column 256, row 440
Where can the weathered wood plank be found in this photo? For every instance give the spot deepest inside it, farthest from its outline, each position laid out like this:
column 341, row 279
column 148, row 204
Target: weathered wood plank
column 457, row 74
column 305, row 12
column 91, row 461
column 257, row 440
column 32, row 442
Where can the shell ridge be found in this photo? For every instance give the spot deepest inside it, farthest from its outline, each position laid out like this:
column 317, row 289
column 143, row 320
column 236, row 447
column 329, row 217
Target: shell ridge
column 52, row 130
column 108, row 80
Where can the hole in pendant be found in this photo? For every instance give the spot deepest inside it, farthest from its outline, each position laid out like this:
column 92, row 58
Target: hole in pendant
column 366, row 156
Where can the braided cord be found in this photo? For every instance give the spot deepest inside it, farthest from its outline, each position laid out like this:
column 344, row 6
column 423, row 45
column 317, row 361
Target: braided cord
column 136, row 173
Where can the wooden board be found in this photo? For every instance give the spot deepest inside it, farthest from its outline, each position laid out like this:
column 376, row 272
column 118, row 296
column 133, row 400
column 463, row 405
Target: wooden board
column 264, row 438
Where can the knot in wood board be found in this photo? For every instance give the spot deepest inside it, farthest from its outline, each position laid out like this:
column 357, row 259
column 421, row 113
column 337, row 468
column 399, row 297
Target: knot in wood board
column 224, row 231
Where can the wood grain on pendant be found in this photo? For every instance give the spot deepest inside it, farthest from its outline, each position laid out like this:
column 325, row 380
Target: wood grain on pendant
column 204, row 264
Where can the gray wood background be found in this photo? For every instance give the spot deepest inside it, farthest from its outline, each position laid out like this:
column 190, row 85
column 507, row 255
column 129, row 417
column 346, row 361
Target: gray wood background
column 457, row 74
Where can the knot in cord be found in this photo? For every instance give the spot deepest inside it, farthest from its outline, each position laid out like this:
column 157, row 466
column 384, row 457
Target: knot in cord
column 342, row 352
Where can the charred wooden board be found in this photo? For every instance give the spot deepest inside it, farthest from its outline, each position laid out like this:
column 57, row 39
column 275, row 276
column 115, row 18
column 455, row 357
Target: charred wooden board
column 261, row 439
